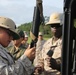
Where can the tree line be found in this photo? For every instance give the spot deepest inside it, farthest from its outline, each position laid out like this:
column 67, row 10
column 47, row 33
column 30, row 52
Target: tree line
column 45, row 29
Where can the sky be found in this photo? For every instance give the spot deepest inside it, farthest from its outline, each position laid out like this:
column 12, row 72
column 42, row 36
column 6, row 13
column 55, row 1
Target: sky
column 21, row 11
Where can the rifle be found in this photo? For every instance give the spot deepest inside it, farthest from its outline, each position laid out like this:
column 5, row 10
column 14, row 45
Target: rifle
column 37, row 20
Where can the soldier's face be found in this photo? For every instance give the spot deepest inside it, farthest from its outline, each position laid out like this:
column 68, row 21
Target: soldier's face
column 17, row 42
column 56, row 29
column 5, row 37
column 26, row 38
column 40, row 37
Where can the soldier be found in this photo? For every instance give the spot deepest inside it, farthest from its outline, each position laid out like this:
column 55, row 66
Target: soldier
column 8, row 66
column 17, row 49
column 25, row 41
column 51, row 50
column 39, row 46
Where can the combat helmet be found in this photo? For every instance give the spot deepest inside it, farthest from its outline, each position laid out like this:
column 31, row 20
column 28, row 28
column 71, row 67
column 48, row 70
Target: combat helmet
column 9, row 24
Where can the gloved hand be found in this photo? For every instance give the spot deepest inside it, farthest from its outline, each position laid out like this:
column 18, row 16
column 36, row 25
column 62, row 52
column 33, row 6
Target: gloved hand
column 54, row 64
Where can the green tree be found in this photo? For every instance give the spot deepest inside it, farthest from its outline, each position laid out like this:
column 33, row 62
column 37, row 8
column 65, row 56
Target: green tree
column 45, row 29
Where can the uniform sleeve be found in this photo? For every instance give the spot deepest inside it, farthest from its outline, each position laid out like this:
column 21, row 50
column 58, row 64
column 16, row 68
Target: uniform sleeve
column 21, row 67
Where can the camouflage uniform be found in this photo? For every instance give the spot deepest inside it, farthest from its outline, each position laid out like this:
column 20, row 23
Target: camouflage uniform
column 39, row 46
column 16, row 53
column 8, row 66
column 25, row 45
column 56, row 47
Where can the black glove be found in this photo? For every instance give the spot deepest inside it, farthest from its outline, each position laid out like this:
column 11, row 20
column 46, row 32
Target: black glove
column 50, row 53
column 54, row 64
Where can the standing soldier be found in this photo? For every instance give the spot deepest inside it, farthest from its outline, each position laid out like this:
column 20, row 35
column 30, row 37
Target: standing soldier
column 51, row 50
column 39, row 46
column 8, row 66
column 25, row 41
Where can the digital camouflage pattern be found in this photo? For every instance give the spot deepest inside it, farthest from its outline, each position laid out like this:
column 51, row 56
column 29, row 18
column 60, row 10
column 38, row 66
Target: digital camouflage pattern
column 8, row 66
column 25, row 45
